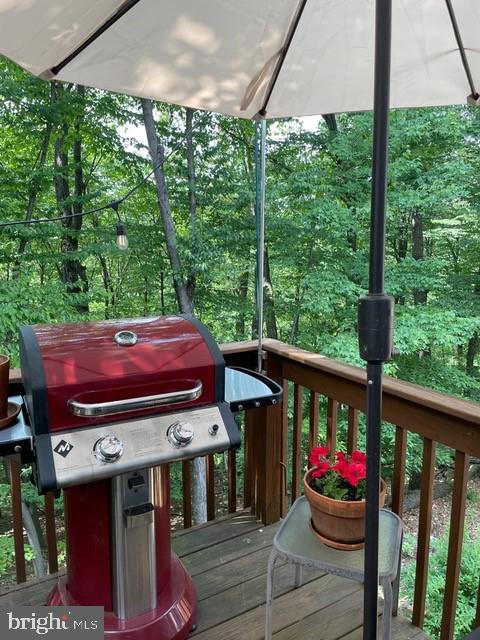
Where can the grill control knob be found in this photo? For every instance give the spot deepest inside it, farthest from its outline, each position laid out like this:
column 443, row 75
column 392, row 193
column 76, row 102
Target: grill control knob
column 180, row 434
column 213, row 429
column 108, row 449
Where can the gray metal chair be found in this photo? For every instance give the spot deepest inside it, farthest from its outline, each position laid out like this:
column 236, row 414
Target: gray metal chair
column 294, row 542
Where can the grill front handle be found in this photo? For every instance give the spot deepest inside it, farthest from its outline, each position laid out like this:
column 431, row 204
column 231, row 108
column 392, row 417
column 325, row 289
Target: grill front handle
column 87, row 410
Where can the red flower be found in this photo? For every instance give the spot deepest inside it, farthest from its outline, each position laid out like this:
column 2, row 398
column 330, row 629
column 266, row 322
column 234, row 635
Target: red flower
column 340, row 456
column 340, row 466
column 321, row 469
column 359, row 457
column 316, row 454
column 354, row 472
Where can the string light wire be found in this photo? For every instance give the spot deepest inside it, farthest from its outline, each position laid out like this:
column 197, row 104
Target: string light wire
column 114, row 204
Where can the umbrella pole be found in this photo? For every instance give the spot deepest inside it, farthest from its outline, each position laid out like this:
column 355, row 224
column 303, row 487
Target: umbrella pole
column 260, row 157
column 375, row 311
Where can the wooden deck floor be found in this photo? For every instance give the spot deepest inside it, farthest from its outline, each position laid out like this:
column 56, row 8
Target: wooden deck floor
column 228, row 559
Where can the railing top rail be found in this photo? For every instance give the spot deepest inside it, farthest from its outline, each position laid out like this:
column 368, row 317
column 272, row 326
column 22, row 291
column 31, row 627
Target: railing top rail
column 238, row 347
column 436, row 400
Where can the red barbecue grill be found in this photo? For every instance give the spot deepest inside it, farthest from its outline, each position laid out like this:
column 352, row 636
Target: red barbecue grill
column 105, row 403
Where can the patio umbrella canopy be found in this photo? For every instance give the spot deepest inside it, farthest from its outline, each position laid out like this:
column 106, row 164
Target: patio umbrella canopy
column 270, row 59
column 225, row 55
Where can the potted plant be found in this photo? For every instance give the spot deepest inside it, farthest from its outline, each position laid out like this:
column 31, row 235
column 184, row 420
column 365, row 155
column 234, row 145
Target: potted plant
column 335, row 489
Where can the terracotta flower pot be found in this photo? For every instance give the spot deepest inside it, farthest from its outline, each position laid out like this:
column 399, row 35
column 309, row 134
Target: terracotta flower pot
column 4, row 370
column 339, row 523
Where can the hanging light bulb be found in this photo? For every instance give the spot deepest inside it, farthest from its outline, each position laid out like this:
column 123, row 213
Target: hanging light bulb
column 122, row 238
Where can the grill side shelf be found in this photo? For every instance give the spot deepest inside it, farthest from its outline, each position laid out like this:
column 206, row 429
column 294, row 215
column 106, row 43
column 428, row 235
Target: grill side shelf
column 17, row 438
column 246, row 389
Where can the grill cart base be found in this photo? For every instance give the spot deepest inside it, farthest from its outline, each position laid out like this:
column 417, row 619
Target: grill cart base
column 119, row 557
column 172, row 619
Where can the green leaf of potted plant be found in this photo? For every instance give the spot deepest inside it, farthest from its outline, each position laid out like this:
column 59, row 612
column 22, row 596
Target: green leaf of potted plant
column 335, row 489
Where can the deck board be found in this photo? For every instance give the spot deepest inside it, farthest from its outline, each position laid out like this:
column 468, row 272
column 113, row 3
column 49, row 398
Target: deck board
column 242, row 543
column 291, row 605
column 228, row 562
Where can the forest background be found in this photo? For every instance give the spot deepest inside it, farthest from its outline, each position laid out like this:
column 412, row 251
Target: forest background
column 66, row 150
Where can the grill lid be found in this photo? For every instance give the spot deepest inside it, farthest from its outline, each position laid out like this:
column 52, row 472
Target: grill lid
column 94, row 372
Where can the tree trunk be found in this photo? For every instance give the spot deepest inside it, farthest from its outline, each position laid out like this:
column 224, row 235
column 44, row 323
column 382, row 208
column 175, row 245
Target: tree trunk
column 109, row 299
column 270, row 317
column 108, row 286
column 418, row 253
column 192, row 204
column 242, row 296
column 400, row 248
column 268, row 297
column 474, row 342
column 400, row 243
column 199, row 493
column 157, row 154
column 295, row 327
column 72, row 272
column 35, row 184
column 471, row 353
column 352, row 240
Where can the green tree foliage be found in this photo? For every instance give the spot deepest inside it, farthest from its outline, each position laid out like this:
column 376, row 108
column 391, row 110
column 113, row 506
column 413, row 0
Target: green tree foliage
column 318, row 196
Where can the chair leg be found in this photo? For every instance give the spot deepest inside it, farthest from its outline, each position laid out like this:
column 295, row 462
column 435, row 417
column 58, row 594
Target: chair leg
column 269, row 599
column 387, row 610
column 298, row 575
column 396, row 582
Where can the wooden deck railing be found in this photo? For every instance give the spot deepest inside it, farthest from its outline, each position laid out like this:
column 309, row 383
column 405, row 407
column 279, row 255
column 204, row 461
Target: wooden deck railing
column 435, row 417
column 274, row 454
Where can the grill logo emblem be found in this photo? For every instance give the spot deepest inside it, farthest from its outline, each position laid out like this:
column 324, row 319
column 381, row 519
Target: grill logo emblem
column 63, row 448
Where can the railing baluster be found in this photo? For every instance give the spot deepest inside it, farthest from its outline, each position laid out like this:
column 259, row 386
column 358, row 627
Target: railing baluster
column 313, row 422
column 424, row 527
column 398, row 481
column 455, row 541
column 187, row 493
column 352, row 433
column 210, row 471
column 284, row 451
column 248, row 460
column 16, row 488
column 232, row 481
column 332, row 416
column 51, row 530
column 297, row 440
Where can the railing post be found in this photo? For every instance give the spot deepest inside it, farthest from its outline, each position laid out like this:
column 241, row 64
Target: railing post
column 16, row 487
column 264, row 469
